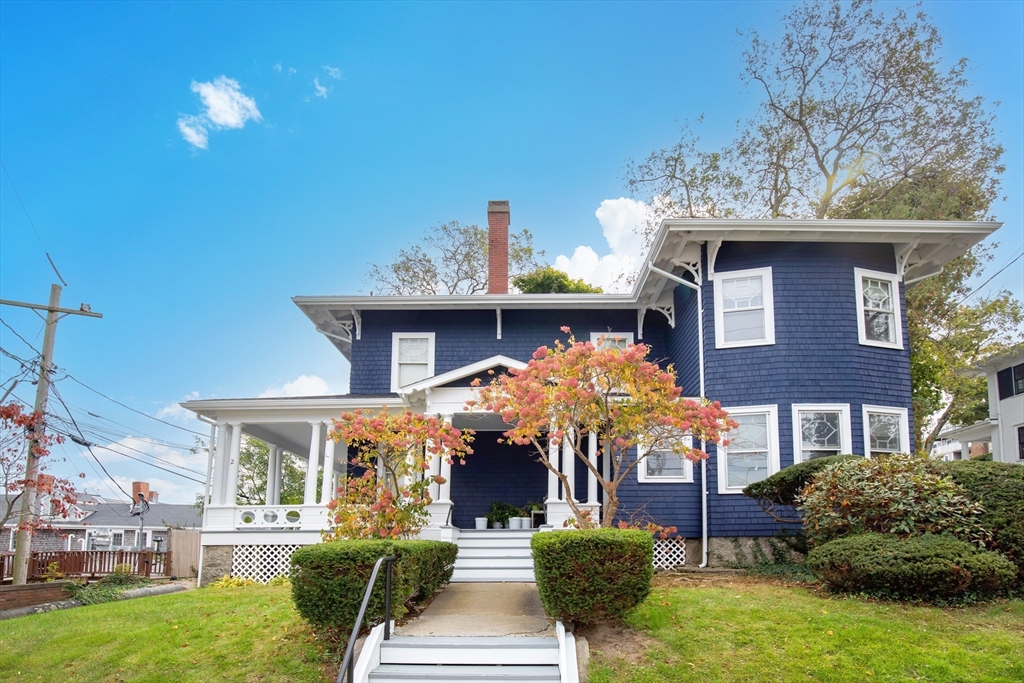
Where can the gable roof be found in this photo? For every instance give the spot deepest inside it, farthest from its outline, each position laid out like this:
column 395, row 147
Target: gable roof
column 922, row 248
column 461, row 373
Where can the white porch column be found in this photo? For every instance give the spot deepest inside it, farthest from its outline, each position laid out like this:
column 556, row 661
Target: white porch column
column 444, row 493
column 269, row 493
column 435, row 466
column 591, row 478
column 553, row 447
column 231, row 496
column 965, row 450
column 327, row 488
column 569, row 466
column 309, row 493
column 220, row 465
column 278, row 467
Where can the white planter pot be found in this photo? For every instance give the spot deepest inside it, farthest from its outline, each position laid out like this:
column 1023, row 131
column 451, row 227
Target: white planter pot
column 481, row 522
column 498, row 525
column 515, row 523
column 524, row 522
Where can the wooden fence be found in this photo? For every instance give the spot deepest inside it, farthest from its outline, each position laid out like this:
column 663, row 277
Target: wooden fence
column 92, row 563
column 183, row 544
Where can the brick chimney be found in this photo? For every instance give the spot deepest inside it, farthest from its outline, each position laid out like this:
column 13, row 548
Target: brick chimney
column 140, row 487
column 154, row 497
column 497, row 247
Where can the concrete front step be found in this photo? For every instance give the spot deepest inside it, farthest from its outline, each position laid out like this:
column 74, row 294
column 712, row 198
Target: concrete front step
column 469, row 650
column 432, row 673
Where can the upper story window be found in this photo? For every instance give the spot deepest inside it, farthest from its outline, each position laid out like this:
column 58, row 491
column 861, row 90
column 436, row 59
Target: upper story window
column 412, row 358
column 666, row 466
column 753, row 450
column 744, row 308
column 1010, row 381
column 885, row 430
column 820, row 430
column 605, row 340
column 878, row 309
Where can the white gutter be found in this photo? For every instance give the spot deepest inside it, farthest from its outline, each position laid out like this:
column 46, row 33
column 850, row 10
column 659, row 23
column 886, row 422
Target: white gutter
column 700, row 355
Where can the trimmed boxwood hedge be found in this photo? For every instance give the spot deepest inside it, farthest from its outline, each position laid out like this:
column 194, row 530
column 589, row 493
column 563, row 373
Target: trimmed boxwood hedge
column 784, row 487
column 593, row 575
column 329, row 579
column 999, row 487
column 925, row 567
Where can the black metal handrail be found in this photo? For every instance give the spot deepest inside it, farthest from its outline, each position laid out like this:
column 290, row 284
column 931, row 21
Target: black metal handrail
column 347, row 665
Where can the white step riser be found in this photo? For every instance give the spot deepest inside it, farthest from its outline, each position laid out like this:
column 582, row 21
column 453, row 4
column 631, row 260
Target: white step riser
column 469, row 656
column 440, row 674
column 493, row 576
column 496, row 534
column 494, row 552
column 494, row 563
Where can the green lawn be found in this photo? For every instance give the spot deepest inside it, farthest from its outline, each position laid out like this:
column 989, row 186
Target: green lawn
column 750, row 630
column 208, row 635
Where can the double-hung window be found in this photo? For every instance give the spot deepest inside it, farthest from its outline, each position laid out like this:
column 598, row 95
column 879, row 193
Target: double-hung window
column 1010, row 381
column 879, row 322
column 605, row 340
column 886, row 430
column 744, row 308
column 663, row 465
column 820, row 430
column 117, row 539
column 753, row 450
column 412, row 358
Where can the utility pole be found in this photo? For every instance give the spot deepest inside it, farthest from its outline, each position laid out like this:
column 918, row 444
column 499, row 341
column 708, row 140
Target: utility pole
column 28, row 496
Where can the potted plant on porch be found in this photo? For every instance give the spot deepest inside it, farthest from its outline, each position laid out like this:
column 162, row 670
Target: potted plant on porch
column 501, row 513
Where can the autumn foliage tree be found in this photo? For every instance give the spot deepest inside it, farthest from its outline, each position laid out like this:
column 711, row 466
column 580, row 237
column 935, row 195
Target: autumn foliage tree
column 16, row 431
column 389, row 498
column 632, row 404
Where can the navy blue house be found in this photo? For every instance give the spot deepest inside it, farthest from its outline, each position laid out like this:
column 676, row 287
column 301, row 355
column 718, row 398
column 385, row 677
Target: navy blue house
column 797, row 327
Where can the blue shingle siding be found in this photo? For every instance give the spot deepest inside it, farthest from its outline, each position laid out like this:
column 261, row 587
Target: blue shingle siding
column 682, row 341
column 495, row 472
column 463, row 337
column 816, row 358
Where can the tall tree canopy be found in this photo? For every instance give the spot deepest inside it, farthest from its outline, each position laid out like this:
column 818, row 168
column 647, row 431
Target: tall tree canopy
column 549, row 280
column 450, row 259
column 850, row 98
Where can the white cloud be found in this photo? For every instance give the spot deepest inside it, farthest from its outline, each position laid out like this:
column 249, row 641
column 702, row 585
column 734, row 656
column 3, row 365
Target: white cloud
column 321, row 91
column 303, row 385
column 291, row 71
column 226, row 107
column 277, row 67
column 621, row 221
column 333, row 72
column 176, row 412
column 194, row 131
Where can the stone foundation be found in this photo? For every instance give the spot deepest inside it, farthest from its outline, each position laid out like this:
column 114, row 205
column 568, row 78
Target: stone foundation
column 216, row 563
column 739, row 551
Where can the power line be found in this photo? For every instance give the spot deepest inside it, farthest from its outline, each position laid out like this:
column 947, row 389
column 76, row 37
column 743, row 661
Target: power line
column 157, row 419
column 25, row 341
column 982, row 285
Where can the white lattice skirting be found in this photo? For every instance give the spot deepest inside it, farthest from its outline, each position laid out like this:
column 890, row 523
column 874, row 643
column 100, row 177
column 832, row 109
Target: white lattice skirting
column 261, row 562
column 669, row 553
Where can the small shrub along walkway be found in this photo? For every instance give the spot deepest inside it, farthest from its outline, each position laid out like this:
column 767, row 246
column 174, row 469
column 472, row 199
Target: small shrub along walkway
column 746, row 629
column 207, row 635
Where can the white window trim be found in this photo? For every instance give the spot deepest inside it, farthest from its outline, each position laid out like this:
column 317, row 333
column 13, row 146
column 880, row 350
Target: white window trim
column 845, row 436
column 885, row 410
column 773, row 445
column 768, row 296
column 894, row 281
column 687, row 478
column 595, row 336
column 395, row 336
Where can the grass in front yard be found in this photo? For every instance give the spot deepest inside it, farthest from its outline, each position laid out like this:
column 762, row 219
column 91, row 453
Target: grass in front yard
column 747, row 629
column 209, row 635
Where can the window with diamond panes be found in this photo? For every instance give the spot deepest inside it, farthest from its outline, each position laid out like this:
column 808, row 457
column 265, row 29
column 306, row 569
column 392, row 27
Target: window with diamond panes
column 747, row 455
column 605, row 340
column 820, row 434
column 412, row 358
column 665, row 465
column 743, row 309
column 885, row 433
column 879, row 319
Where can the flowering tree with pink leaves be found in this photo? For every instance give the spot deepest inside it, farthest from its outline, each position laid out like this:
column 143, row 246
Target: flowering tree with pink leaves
column 632, row 404
column 16, row 431
column 394, row 450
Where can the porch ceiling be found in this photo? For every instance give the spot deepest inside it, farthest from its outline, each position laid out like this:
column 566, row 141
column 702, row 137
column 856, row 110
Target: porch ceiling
column 291, row 436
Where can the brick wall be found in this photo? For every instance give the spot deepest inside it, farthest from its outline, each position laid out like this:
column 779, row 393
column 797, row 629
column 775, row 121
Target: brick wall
column 12, row 597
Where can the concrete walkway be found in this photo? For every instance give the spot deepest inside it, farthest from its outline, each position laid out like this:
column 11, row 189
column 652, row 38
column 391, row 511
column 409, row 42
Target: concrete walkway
column 482, row 609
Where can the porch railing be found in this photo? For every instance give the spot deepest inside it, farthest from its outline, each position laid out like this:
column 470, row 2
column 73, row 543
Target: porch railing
column 92, row 563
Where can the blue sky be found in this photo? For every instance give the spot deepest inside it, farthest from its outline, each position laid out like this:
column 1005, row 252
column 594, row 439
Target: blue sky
column 343, row 132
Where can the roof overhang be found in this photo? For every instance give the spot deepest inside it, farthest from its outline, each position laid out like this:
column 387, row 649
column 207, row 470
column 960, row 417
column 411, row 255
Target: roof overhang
column 414, row 392
column 921, row 248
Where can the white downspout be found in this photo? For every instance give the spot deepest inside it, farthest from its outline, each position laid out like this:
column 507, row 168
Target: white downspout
column 700, row 356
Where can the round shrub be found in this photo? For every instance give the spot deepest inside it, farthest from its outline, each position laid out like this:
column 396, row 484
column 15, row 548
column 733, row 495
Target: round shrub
column 783, row 489
column 592, row 575
column 329, row 579
column 893, row 494
column 926, row 567
column 999, row 488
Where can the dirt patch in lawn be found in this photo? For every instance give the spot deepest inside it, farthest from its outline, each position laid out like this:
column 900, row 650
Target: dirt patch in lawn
column 614, row 641
column 715, row 579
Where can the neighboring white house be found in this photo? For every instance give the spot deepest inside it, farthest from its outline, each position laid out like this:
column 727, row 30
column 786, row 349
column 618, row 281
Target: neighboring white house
column 1004, row 428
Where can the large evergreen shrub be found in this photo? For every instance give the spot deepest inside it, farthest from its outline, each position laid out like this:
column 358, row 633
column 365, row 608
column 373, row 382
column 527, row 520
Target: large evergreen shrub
column 779, row 493
column 926, row 567
column 999, row 488
column 329, row 579
column 593, row 575
column 894, row 494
